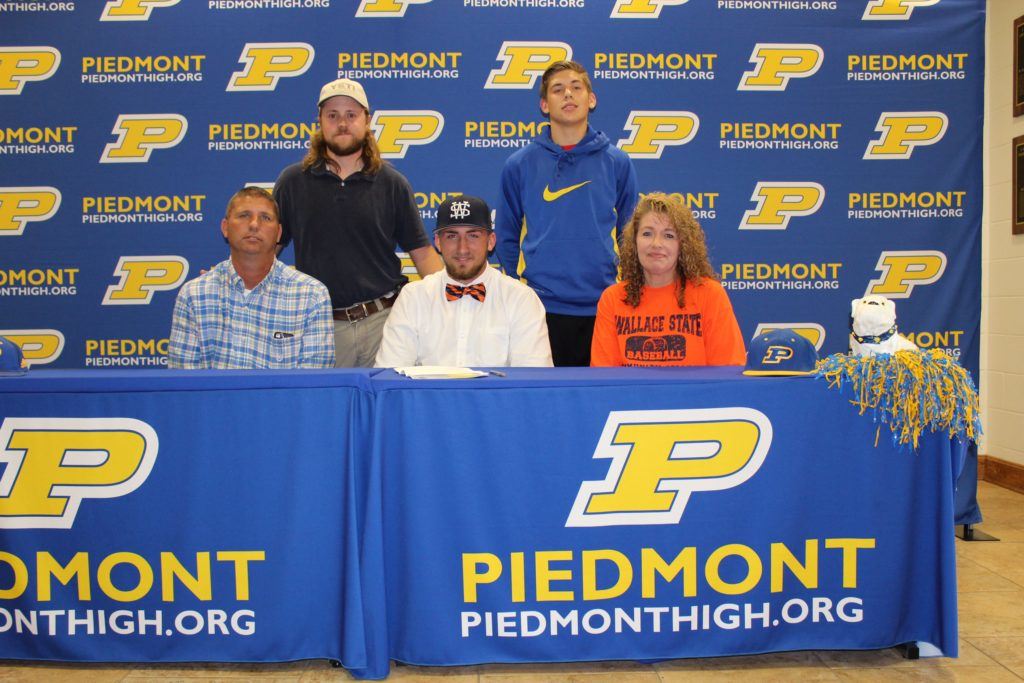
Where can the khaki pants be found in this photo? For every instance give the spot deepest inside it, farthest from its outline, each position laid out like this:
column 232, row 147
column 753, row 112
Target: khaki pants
column 356, row 344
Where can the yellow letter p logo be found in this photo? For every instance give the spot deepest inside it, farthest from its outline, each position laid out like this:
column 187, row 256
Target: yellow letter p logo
column 21, row 205
column 266, row 63
column 650, row 132
column 139, row 134
column 523, row 62
column 141, row 276
column 18, row 65
column 881, row 10
column 132, row 10
column 398, row 129
column 660, row 457
column 774, row 355
column 776, row 63
column 641, row 9
column 38, row 347
column 904, row 270
column 902, row 131
column 386, row 8
column 52, row 464
column 778, row 202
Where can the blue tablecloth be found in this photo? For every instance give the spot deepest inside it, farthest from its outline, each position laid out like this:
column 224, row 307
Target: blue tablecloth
column 550, row 515
column 243, row 542
column 628, row 514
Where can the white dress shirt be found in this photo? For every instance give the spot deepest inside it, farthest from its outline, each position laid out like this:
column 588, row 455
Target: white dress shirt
column 507, row 328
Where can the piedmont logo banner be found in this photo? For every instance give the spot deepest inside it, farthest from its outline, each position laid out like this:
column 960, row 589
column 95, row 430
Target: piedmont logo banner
column 358, row 516
column 830, row 148
column 701, row 516
column 170, row 518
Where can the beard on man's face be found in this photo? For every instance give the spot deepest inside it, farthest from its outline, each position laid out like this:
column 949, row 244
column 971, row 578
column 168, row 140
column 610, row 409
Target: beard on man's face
column 342, row 151
column 465, row 272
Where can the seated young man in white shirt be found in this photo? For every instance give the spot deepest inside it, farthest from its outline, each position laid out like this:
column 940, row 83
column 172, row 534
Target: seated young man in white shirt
column 468, row 314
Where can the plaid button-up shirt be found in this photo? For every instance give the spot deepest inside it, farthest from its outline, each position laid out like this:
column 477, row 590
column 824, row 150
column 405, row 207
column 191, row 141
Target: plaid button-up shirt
column 284, row 322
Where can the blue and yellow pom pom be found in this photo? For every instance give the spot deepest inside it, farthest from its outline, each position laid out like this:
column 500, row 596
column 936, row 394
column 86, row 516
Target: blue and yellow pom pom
column 910, row 391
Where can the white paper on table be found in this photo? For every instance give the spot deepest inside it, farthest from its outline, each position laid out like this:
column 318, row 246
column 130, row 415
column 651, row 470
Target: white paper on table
column 439, row 372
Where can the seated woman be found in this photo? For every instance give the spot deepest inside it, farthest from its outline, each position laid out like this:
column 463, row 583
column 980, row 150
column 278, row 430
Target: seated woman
column 669, row 308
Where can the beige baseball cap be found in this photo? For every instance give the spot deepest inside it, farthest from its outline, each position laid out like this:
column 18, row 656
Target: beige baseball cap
column 346, row 87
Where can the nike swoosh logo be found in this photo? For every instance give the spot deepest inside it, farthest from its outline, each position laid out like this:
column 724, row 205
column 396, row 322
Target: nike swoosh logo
column 550, row 196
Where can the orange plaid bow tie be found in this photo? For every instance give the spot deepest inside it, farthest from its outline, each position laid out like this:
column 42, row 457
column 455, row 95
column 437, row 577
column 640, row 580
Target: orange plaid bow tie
column 455, row 292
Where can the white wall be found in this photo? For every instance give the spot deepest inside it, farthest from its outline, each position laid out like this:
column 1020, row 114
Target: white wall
column 1002, row 290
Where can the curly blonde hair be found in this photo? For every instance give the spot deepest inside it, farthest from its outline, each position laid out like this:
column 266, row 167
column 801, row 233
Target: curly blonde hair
column 692, row 265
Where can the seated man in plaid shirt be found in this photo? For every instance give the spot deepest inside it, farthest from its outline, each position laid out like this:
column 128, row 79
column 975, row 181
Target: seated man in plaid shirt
column 252, row 311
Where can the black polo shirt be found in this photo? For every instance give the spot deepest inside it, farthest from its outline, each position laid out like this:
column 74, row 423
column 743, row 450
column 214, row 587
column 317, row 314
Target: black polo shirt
column 346, row 231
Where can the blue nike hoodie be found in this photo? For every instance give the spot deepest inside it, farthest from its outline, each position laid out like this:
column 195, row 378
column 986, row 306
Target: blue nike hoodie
column 559, row 215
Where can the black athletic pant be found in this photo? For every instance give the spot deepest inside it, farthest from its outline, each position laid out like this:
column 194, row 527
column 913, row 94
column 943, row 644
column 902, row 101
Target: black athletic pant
column 570, row 337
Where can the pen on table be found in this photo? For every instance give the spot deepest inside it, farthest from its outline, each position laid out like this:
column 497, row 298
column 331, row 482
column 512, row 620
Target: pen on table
column 497, row 373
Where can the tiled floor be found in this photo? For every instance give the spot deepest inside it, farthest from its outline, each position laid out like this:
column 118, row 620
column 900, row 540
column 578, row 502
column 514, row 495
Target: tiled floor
column 990, row 575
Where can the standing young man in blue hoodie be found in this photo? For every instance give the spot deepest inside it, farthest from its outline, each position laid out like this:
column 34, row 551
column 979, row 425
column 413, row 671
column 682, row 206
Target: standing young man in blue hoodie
column 564, row 198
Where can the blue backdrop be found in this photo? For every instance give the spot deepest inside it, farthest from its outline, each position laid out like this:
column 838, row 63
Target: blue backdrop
column 828, row 148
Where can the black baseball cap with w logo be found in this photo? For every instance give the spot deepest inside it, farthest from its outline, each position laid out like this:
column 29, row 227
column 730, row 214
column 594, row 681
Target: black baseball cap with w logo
column 463, row 211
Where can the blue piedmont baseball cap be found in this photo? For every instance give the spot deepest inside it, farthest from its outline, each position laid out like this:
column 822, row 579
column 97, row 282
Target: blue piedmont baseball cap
column 12, row 360
column 781, row 352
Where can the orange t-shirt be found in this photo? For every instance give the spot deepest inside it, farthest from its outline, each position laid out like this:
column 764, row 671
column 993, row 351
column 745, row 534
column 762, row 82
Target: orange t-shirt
column 658, row 332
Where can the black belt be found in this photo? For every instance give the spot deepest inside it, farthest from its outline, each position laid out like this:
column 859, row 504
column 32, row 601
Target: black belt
column 357, row 312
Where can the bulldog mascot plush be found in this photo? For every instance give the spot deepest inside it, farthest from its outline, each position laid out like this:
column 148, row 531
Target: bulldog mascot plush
column 873, row 327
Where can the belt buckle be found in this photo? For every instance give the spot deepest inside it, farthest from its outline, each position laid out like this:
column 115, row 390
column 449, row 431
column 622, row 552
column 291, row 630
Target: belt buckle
column 363, row 309
column 357, row 312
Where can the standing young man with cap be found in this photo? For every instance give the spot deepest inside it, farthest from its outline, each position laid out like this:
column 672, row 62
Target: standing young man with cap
column 564, row 198
column 347, row 211
column 468, row 313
